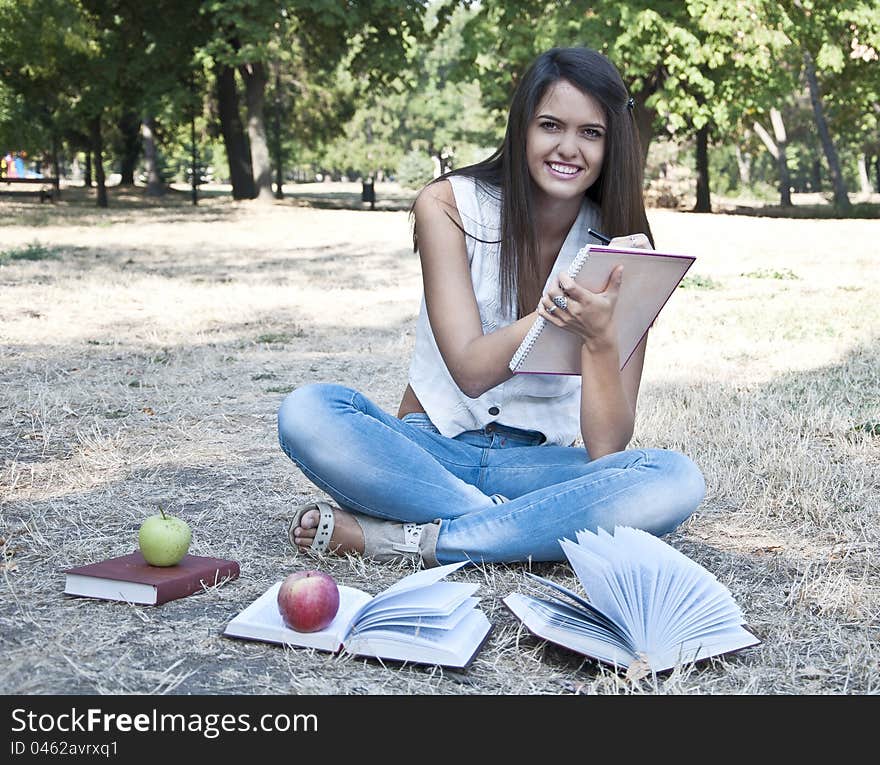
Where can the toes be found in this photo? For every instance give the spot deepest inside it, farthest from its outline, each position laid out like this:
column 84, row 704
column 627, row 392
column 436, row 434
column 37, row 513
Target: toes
column 309, row 520
column 303, row 538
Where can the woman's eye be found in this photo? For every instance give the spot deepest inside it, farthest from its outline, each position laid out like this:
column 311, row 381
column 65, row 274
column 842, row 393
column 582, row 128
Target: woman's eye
column 547, row 124
column 592, row 133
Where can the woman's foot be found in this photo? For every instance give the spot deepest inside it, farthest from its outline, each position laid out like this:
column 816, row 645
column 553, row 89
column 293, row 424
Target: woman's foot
column 347, row 536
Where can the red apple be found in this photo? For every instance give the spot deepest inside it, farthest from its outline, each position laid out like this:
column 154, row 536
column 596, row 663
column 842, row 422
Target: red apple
column 308, row 600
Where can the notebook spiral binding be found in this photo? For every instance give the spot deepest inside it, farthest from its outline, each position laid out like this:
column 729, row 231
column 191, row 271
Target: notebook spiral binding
column 532, row 336
column 527, row 343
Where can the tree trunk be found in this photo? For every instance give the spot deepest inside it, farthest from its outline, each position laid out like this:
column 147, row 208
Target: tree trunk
column 877, row 172
column 704, row 201
column 155, row 187
column 129, row 128
column 816, row 170
column 782, row 159
column 279, row 174
column 841, row 199
column 644, row 118
column 234, row 140
column 87, row 175
column 255, row 79
column 864, row 180
column 194, row 161
column 744, row 166
column 778, row 150
column 98, row 149
column 56, row 166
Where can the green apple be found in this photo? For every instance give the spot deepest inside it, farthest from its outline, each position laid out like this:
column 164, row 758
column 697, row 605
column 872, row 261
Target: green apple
column 164, row 539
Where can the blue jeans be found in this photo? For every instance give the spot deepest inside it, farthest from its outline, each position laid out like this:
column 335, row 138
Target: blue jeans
column 373, row 463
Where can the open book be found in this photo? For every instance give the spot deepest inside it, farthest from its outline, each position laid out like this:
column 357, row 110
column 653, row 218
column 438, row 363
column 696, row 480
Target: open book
column 419, row 619
column 649, row 279
column 647, row 602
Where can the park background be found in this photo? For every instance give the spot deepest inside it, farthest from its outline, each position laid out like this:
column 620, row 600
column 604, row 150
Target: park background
column 227, row 219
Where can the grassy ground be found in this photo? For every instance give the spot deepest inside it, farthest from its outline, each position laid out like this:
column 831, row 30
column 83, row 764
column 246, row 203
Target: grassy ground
column 144, row 351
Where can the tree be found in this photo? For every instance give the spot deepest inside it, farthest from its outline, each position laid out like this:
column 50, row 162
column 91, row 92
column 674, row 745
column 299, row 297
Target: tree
column 821, row 34
column 148, row 56
column 779, row 149
column 42, row 93
column 850, row 85
column 423, row 111
column 251, row 33
column 100, row 63
column 743, row 60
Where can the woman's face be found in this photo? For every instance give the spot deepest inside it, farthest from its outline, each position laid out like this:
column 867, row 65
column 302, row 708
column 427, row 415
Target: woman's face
column 565, row 142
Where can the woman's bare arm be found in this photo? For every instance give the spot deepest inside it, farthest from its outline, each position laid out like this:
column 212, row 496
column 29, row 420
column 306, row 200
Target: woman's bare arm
column 476, row 361
column 608, row 394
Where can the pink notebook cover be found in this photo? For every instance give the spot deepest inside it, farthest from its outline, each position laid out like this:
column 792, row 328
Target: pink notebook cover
column 649, row 279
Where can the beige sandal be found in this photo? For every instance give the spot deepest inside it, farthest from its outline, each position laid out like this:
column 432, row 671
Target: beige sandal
column 324, row 530
column 384, row 541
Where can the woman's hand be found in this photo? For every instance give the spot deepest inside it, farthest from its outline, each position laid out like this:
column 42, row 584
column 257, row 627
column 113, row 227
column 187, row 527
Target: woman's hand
column 639, row 241
column 588, row 314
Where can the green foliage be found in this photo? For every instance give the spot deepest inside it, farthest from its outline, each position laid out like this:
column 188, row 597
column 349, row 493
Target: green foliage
column 33, row 251
column 699, row 282
column 415, row 170
column 423, row 114
column 360, row 88
column 772, row 273
column 871, row 427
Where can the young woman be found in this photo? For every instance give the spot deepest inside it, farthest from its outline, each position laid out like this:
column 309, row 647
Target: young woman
column 479, row 464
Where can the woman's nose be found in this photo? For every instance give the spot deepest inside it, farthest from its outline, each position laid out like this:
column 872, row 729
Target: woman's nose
column 567, row 145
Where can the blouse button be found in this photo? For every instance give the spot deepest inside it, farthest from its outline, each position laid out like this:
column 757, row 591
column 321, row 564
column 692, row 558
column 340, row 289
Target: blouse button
column 494, row 410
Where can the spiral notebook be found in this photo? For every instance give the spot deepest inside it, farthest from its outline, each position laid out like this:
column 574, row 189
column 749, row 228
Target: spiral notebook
column 649, row 279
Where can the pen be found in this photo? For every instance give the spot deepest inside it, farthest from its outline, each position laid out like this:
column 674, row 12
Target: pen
column 601, row 237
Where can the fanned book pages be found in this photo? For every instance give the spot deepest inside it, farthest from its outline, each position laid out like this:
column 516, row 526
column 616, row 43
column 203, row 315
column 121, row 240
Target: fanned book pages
column 420, row 619
column 645, row 601
column 649, row 279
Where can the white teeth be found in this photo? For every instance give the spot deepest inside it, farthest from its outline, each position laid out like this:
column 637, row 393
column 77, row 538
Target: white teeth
column 564, row 169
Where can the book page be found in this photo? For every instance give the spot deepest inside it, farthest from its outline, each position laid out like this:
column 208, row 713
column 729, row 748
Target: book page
column 414, row 583
column 406, row 618
column 543, row 620
column 109, row 589
column 586, row 610
column 261, row 620
column 603, row 590
column 685, row 613
column 438, row 599
column 650, row 279
column 453, row 648
column 733, row 638
column 421, row 578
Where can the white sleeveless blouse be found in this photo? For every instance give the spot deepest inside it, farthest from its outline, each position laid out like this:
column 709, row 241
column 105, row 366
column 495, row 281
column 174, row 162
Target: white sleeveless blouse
column 549, row 404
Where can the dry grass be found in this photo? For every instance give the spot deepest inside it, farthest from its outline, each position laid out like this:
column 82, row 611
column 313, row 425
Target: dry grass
column 145, row 350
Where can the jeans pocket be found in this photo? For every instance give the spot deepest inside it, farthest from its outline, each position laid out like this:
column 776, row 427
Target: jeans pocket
column 420, row 420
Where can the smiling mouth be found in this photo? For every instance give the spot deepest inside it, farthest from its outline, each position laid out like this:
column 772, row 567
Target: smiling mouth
column 561, row 170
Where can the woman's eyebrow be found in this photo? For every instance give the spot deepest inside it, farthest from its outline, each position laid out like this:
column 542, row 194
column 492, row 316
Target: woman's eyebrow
column 547, row 116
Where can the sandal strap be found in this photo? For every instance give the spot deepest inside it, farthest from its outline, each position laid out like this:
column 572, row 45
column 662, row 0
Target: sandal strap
column 324, row 530
column 412, row 534
column 325, row 527
column 392, row 541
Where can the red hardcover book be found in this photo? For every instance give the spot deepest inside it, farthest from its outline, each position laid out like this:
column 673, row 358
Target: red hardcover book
column 132, row 579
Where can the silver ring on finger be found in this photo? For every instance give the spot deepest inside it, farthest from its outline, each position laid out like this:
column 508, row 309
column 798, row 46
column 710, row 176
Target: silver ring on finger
column 550, row 309
column 561, row 301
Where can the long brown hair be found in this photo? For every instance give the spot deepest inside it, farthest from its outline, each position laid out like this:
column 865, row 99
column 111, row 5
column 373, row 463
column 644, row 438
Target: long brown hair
column 617, row 191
